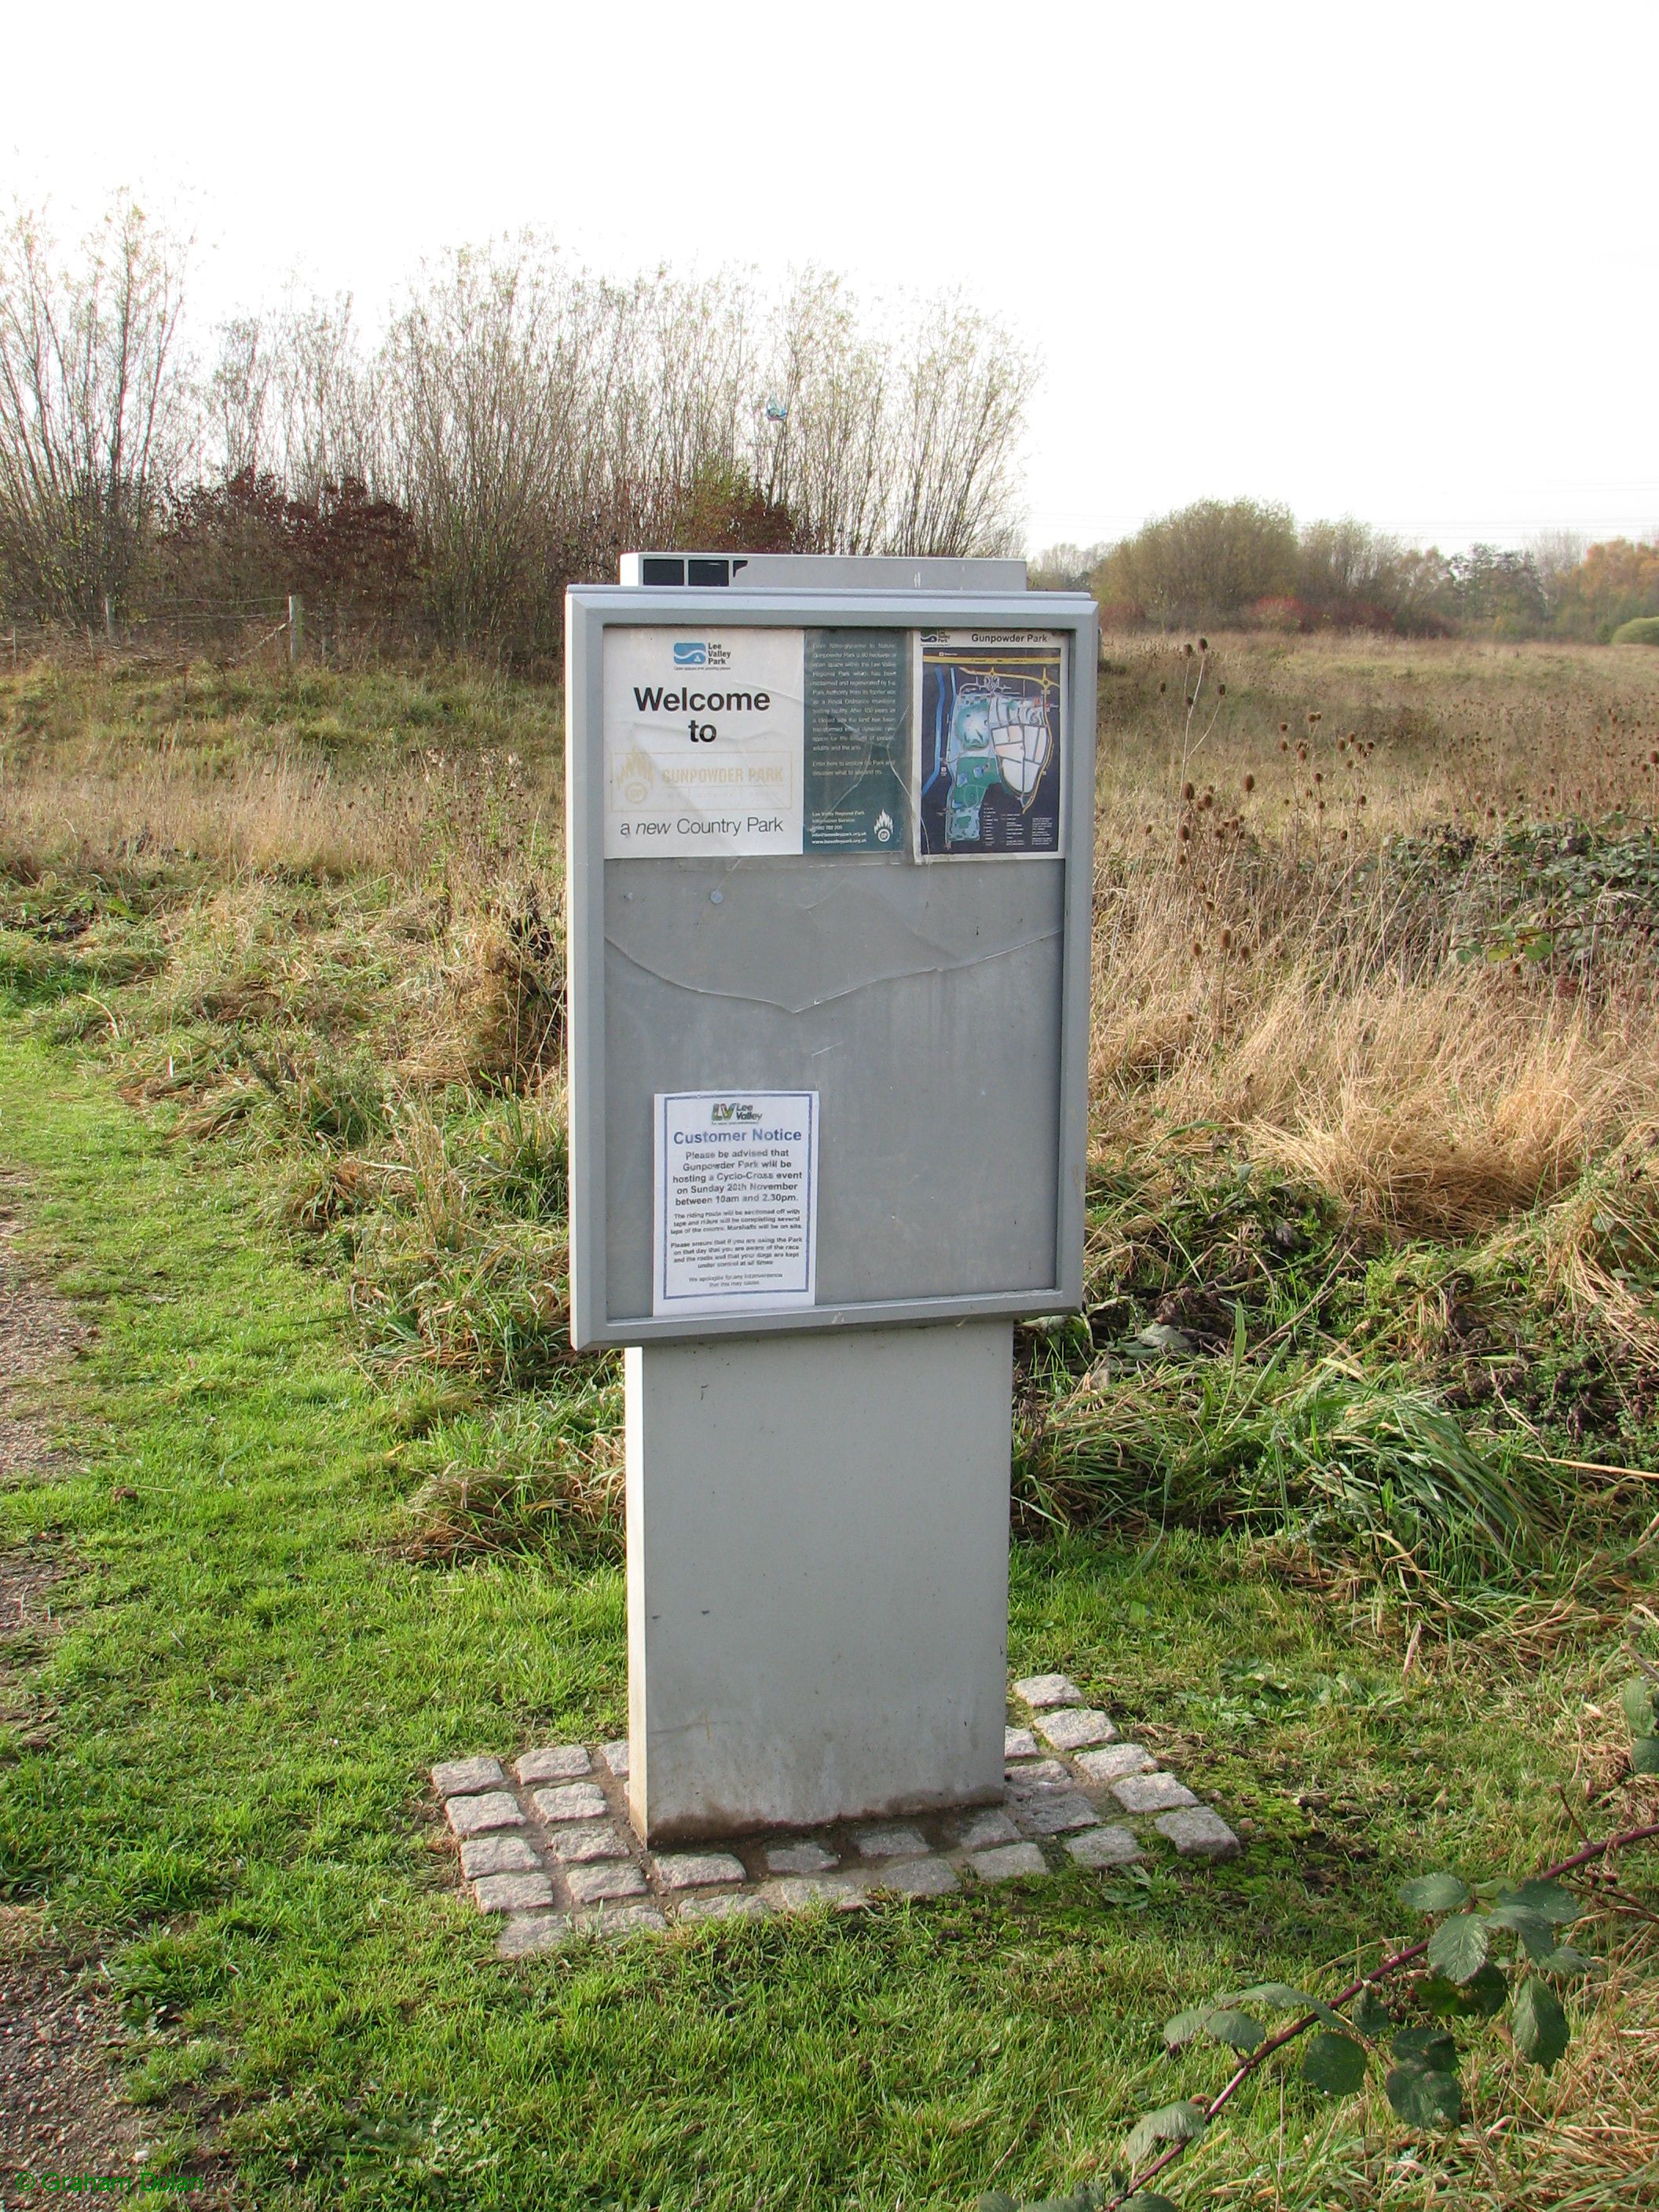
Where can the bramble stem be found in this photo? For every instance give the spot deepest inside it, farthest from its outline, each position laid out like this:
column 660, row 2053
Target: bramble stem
column 1264, row 2052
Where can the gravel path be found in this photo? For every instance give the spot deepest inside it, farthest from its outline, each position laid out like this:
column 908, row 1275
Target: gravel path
column 62, row 2113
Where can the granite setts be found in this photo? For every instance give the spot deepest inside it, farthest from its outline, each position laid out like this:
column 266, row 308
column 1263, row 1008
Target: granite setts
column 551, row 1852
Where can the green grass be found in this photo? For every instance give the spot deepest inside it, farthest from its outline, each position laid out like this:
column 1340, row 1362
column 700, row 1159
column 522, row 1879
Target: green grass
column 251, row 1681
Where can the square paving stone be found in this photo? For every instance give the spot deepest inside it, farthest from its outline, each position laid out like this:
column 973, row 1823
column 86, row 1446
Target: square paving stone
column 801, row 1893
column 1100, row 1847
column 615, row 1756
column 466, row 1777
column 572, row 1800
column 799, row 1858
column 513, row 1892
column 1115, row 1761
column 1074, row 1726
column 527, row 1934
column 892, row 1840
column 928, row 1877
column 1012, row 1860
column 576, row 1843
column 1042, row 1691
column 616, row 1921
column 561, row 1762
column 1198, row 1833
column 482, row 1855
column 697, row 1869
column 1044, row 1774
column 1054, row 1813
column 1151, row 1793
column 609, row 1878
column 475, row 1816
column 978, row 1832
column 744, row 1906
column 1019, row 1743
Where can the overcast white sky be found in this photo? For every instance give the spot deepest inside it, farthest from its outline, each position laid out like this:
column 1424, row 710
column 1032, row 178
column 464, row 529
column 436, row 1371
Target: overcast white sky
column 1396, row 261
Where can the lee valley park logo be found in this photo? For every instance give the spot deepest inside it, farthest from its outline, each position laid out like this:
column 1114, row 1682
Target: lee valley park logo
column 737, row 1109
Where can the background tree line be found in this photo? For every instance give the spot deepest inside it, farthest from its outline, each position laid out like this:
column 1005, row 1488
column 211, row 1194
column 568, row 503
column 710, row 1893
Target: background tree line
column 519, row 423
column 1245, row 563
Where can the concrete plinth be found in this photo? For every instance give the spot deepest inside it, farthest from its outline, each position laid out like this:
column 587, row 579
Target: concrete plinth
column 818, row 1576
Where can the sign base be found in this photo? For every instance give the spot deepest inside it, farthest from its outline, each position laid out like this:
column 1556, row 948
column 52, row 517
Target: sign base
column 818, row 1576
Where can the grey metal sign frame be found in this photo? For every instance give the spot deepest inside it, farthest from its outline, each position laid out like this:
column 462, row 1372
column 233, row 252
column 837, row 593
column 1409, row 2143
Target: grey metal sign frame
column 590, row 609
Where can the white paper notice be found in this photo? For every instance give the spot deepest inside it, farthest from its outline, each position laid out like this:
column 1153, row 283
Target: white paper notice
column 704, row 738
column 735, row 1227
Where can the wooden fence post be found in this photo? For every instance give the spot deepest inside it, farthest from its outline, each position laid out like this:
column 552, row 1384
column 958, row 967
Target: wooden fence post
column 296, row 629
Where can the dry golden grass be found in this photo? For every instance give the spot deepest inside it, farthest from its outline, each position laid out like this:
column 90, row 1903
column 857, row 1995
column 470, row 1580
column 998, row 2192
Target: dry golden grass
column 307, row 860
column 1258, row 972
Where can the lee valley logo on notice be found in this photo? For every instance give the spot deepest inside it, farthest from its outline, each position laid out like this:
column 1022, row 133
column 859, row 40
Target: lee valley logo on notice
column 704, row 740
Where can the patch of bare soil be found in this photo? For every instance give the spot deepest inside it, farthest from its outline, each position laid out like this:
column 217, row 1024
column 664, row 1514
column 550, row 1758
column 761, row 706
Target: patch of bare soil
column 64, row 2122
column 62, row 2116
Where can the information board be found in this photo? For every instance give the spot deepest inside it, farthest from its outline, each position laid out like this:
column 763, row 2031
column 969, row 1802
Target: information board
column 816, row 1079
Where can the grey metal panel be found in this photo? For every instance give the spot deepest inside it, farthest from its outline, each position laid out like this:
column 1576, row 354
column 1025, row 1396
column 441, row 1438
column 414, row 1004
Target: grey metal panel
column 799, row 572
column 923, row 1007
column 965, row 983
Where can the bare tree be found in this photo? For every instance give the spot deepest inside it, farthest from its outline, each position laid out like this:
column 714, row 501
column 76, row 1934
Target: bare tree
column 962, row 398
column 902, row 443
column 236, row 399
column 529, row 420
column 1557, row 555
column 92, row 416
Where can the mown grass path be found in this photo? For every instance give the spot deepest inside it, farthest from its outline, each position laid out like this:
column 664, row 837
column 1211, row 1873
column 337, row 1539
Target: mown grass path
column 250, row 1684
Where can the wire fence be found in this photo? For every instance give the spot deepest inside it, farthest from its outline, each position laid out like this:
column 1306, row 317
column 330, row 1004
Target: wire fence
column 265, row 631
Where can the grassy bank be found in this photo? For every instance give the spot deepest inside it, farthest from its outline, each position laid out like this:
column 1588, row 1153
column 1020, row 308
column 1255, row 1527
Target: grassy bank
column 250, row 1681
column 1327, row 1492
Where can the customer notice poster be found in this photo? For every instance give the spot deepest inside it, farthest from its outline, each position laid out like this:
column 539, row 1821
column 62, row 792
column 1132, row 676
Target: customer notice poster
column 735, row 1204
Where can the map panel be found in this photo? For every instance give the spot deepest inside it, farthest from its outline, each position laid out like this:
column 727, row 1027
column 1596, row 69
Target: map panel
column 990, row 712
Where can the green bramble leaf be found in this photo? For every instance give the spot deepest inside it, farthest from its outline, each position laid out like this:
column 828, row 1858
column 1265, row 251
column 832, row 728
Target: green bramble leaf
column 1458, row 1946
column 1171, row 2124
column 1424, row 2098
column 1481, row 1996
column 1538, row 2024
column 1427, row 2046
column 1334, row 2064
column 1422, row 2086
column 1536, row 1933
column 1645, row 1755
column 1371, row 2015
column 1434, row 1893
column 1548, row 1899
column 1281, row 1995
column 1185, row 2027
column 1569, row 1963
column 1640, row 1704
column 1236, row 2029
column 1284, row 1998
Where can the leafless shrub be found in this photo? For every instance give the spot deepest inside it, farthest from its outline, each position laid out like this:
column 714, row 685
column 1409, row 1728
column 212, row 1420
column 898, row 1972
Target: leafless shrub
column 92, row 412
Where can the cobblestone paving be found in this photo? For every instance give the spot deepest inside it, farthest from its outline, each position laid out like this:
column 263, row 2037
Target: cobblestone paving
column 548, row 1847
